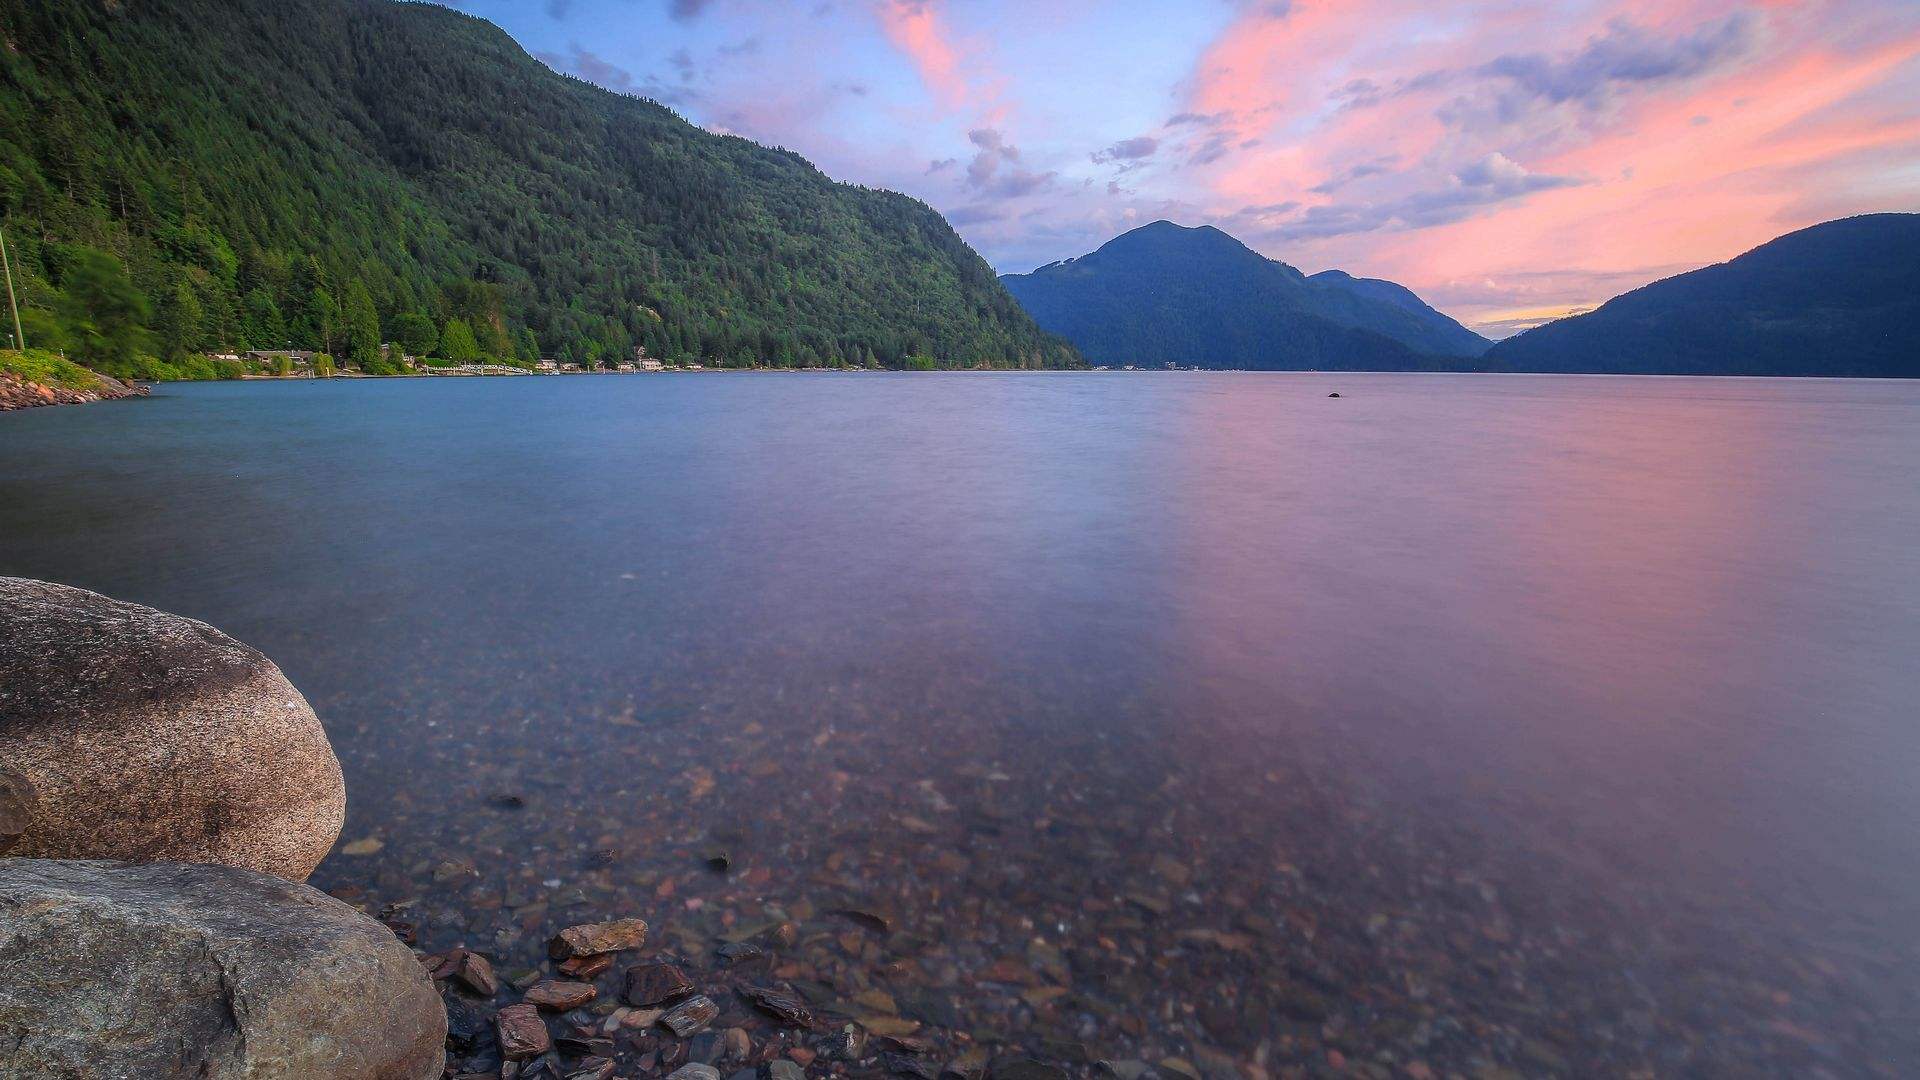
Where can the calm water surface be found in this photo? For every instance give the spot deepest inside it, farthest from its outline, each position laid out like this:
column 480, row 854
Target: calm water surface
column 1498, row 726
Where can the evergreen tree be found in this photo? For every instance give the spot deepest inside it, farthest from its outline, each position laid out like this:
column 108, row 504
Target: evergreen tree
column 105, row 317
column 457, row 344
column 262, row 327
column 182, row 323
column 362, row 326
column 415, row 333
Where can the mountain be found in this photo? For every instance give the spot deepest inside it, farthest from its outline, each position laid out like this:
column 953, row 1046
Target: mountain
column 1838, row 299
column 1168, row 294
column 1429, row 330
column 272, row 172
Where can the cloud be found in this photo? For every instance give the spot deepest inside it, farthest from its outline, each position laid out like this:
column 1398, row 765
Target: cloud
column 1590, row 80
column 1376, row 167
column 687, row 10
column 558, row 9
column 1135, row 149
column 1483, row 182
column 995, row 169
column 583, row 64
column 915, row 28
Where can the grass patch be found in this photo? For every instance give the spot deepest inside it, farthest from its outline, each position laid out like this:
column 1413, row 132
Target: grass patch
column 47, row 369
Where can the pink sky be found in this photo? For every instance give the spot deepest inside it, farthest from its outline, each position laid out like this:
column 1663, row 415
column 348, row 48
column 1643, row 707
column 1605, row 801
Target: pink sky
column 1507, row 160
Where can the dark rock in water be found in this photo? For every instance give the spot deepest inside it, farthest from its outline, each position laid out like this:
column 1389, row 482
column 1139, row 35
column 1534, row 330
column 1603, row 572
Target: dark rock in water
column 165, row 970
column 847, row 1044
column 784, row 1007
column 584, row 1046
column 878, row 922
column 508, row 801
column 522, row 1033
column 560, row 995
column 739, row 952
column 475, row 972
column 17, row 802
column 655, row 984
column 781, row 937
column 783, row 1069
column 695, row 1071
column 706, row 1047
column 152, row 738
column 690, row 1016
column 593, row 1068
column 467, row 1025
column 907, row 1065
column 1019, row 1068
column 592, row 939
column 719, row 862
column 745, row 1074
column 587, row 967
column 1335, row 394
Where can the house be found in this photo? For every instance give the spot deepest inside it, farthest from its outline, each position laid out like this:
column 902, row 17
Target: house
column 652, row 365
column 546, row 363
column 269, row 359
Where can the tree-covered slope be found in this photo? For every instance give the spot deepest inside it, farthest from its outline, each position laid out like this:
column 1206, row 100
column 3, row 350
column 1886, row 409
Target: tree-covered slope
column 1838, row 299
column 1167, row 294
column 1382, row 303
column 260, row 166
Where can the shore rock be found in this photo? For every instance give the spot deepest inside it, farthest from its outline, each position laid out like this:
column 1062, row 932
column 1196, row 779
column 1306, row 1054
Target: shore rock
column 153, row 738
column 173, row 970
column 17, row 804
column 18, row 393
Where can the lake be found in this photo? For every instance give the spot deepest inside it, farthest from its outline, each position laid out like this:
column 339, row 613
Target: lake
column 1506, row 726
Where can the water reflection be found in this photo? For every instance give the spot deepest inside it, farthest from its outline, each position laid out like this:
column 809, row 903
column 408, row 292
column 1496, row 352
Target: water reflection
column 1456, row 725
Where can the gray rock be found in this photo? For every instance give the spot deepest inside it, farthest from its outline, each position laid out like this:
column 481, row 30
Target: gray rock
column 153, row 738
column 17, row 805
column 695, row 1071
column 782, row 1069
column 172, row 970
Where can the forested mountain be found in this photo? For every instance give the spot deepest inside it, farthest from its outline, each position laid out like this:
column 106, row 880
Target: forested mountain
column 1839, row 299
column 335, row 173
column 1427, row 330
column 1167, row 294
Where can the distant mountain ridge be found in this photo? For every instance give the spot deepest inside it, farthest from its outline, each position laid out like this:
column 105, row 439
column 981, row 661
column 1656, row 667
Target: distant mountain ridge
column 1164, row 293
column 1839, row 299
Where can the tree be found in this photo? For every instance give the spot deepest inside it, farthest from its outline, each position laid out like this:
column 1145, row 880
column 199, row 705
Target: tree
column 457, row 344
column 415, row 333
column 362, row 327
column 283, row 365
column 525, row 348
column 261, row 326
column 324, row 314
column 322, row 366
column 182, row 323
column 105, row 316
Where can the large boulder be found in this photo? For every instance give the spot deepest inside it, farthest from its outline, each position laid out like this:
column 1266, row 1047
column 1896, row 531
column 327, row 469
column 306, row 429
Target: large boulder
column 172, row 970
column 151, row 738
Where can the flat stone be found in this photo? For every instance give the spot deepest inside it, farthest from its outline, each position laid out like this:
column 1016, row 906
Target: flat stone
column 694, row 1071
column 522, row 1033
column 171, row 970
column 560, row 995
column 782, row 1069
column 147, row 737
column 592, row 939
column 655, row 984
column 786, row 1008
column 475, row 972
column 690, row 1016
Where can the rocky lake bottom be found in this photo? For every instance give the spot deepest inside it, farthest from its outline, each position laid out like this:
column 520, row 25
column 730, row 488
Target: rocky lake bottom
column 1079, row 724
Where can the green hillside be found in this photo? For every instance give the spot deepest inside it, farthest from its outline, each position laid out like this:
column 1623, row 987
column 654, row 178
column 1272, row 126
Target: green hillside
column 332, row 174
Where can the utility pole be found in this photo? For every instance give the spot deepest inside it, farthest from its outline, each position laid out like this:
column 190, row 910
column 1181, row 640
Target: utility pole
column 19, row 335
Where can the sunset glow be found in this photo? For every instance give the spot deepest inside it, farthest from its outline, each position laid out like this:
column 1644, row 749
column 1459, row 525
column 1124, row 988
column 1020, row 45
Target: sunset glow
column 1510, row 161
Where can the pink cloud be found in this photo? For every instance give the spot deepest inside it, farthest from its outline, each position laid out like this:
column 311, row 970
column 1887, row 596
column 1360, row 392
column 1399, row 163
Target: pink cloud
column 915, row 28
